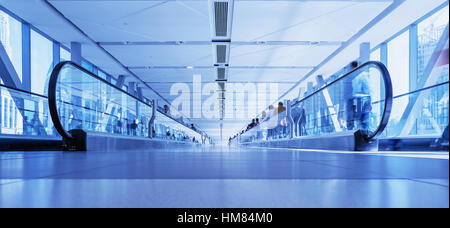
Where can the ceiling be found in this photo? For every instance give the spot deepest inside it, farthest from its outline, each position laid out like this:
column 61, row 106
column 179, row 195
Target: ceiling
column 163, row 43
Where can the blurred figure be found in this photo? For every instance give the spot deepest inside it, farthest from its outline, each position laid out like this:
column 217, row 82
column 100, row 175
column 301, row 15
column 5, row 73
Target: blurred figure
column 166, row 109
column 258, row 131
column 251, row 125
column 280, row 108
column 133, row 127
column 348, row 96
column 351, row 115
column 302, row 123
column 295, row 113
column 272, row 124
column 281, row 128
column 119, row 126
column 365, row 115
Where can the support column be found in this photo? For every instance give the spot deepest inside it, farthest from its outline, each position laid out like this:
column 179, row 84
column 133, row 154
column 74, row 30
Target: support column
column 56, row 53
column 120, row 81
column 364, row 52
column 413, row 54
column 131, row 88
column 139, row 92
column 75, row 51
column 384, row 53
column 95, row 70
column 152, row 120
column 290, row 119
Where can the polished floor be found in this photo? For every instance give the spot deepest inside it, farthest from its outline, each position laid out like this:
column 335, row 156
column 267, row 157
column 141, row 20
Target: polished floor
column 224, row 177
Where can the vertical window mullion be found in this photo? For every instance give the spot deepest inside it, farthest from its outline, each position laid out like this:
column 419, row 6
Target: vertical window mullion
column 413, row 55
column 56, row 53
column 26, row 57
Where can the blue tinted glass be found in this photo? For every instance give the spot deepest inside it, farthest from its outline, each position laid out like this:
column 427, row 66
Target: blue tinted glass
column 102, row 74
column 64, row 55
column 11, row 38
column 41, row 62
column 87, row 66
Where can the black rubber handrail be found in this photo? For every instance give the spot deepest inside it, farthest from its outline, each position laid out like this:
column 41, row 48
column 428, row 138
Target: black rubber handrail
column 52, row 96
column 23, row 91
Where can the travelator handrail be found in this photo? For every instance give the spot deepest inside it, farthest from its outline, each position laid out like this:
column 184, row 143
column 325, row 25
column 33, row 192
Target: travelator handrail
column 23, row 91
column 388, row 94
column 52, row 102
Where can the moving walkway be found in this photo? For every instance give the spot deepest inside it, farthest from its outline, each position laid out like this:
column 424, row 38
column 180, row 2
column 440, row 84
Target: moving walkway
column 347, row 113
column 87, row 112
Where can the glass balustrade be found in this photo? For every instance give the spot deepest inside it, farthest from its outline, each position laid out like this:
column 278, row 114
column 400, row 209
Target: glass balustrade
column 421, row 113
column 82, row 100
column 166, row 128
column 361, row 100
column 24, row 113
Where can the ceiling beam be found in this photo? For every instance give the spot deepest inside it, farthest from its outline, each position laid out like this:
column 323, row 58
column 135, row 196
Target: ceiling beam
column 234, row 0
column 267, row 43
column 213, row 67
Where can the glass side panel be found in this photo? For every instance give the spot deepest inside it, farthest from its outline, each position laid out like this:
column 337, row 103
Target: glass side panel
column 11, row 38
column 24, row 114
column 87, row 103
column 102, row 74
column 87, row 66
column 167, row 128
column 91, row 104
column 428, row 115
column 429, row 33
column 355, row 102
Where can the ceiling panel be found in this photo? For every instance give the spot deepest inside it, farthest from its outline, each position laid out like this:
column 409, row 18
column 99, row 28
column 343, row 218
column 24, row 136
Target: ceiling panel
column 175, row 75
column 139, row 20
column 305, row 21
column 266, row 75
column 279, row 55
column 162, row 55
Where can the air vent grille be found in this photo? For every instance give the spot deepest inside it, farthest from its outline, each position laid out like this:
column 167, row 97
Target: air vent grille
column 221, row 73
column 221, row 51
column 221, row 18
